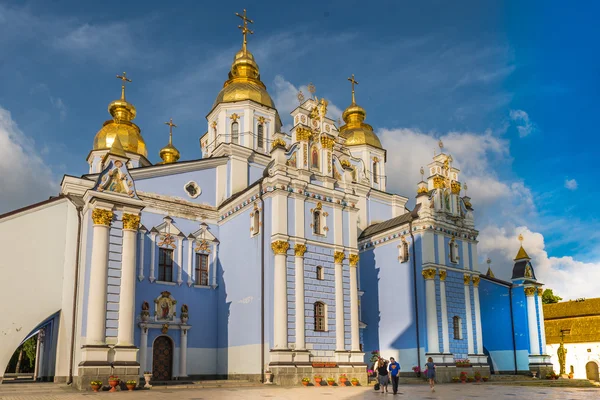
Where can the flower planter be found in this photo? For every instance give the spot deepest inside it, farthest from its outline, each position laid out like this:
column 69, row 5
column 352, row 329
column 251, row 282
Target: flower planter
column 147, row 378
column 113, row 385
column 343, row 381
column 318, row 381
column 354, row 383
column 267, row 377
column 330, row 383
column 130, row 387
column 304, row 383
column 96, row 388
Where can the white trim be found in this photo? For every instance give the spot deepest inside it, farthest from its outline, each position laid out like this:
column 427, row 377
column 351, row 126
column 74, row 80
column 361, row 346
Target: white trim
column 166, row 283
column 152, row 277
column 213, row 265
column 180, row 260
column 198, row 189
column 142, row 233
column 190, row 280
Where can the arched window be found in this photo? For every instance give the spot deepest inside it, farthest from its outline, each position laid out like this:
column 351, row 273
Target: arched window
column 317, row 222
column 453, row 249
column 320, row 273
column 256, row 222
column 314, row 157
column 375, row 173
column 235, row 132
column 165, row 265
column 261, row 136
column 457, row 327
column 403, row 251
column 320, row 317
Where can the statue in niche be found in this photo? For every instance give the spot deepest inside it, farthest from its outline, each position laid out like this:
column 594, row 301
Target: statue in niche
column 116, row 181
column 528, row 273
column 447, row 200
column 315, row 157
column 165, row 307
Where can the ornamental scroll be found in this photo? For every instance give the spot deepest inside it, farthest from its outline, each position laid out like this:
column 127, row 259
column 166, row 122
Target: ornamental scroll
column 102, row 217
column 467, row 279
column 299, row 250
column 353, row 259
column 529, row 291
column 131, row 221
column 338, row 257
column 280, row 247
column 428, row 273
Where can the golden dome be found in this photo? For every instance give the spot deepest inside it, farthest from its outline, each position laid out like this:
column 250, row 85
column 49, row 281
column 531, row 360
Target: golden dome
column 169, row 154
column 355, row 131
column 121, row 127
column 244, row 82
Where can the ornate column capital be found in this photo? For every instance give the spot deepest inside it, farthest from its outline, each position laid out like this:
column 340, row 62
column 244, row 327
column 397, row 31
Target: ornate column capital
column 353, row 259
column 529, row 291
column 443, row 273
column 467, row 279
column 131, row 221
column 299, row 250
column 540, row 292
column 280, row 247
column 476, row 281
column 338, row 257
column 101, row 216
column 428, row 273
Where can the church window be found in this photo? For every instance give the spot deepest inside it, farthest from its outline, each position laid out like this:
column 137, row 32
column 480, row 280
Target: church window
column 403, row 257
column 314, row 157
column 256, row 222
column 375, row 173
column 453, row 251
column 192, row 189
column 320, row 317
column 317, row 222
column 202, row 269
column 320, row 273
column 457, row 327
column 165, row 265
column 235, row 132
column 261, row 136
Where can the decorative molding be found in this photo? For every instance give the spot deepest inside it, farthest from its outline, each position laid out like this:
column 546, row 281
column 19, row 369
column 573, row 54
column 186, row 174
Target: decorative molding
column 234, row 117
column 101, row 216
column 428, row 273
column 442, row 273
column 327, row 142
column 280, row 247
column 303, row 134
column 455, row 187
column 191, row 261
column 353, row 259
column 152, row 278
column 180, row 261
column 540, row 291
column 475, row 281
column 131, row 222
column 467, row 279
column 299, row 250
column 338, row 257
column 529, row 291
column 142, row 232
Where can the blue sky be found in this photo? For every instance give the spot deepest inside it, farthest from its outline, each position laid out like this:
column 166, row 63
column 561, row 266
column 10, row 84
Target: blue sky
column 511, row 87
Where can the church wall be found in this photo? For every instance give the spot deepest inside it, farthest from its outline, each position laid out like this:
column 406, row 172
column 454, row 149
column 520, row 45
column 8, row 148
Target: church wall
column 521, row 330
column 48, row 264
column 115, row 245
column 173, row 185
column 346, row 229
column 308, row 218
column 255, row 172
column 291, row 217
column 388, row 303
column 455, row 301
column 496, row 325
column 379, row 211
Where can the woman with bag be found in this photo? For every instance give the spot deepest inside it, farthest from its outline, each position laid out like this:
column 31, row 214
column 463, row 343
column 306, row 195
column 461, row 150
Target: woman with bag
column 382, row 375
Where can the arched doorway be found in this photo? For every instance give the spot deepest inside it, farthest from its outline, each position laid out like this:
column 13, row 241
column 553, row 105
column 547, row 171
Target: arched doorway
column 591, row 371
column 162, row 359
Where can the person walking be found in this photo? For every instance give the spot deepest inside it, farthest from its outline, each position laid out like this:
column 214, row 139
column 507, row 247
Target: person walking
column 431, row 373
column 395, row 374
column 382, row 375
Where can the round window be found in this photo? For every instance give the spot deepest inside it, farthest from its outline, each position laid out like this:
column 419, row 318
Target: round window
column 192, row 189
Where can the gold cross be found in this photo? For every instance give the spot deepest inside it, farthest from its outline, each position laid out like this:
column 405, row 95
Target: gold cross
column 353, row 81
column 123, row 78
column 244, row 28
column 171, row 126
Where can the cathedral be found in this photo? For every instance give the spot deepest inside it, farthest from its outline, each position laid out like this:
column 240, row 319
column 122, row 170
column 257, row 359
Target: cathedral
column 273, row 255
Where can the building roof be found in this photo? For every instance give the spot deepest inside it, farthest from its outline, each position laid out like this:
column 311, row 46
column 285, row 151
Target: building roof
column 391, row 223
column 582, row 318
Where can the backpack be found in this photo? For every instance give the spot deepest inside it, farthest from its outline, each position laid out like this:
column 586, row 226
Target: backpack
column 376, row 387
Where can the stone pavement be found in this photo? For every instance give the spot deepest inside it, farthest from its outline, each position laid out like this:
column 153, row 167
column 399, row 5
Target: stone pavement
column 445, row 392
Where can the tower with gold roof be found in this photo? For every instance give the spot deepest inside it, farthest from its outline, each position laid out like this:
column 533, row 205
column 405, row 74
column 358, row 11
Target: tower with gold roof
column 363, row 143
column 119, row 135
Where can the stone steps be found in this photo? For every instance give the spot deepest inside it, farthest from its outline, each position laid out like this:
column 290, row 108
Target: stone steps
column 204, row 384
column 33, row 388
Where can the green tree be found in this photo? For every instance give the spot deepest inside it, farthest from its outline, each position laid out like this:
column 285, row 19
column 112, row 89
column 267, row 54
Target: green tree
column 548, row 297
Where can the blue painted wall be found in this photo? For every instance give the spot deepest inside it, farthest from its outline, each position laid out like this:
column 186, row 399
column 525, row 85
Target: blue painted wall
column 173, row 185
column 255, row 172
column 455, row 299
column 378, row 210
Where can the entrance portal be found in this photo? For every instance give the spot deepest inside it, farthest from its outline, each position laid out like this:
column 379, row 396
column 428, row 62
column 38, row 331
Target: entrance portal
column 162, row 359
column 591, row 371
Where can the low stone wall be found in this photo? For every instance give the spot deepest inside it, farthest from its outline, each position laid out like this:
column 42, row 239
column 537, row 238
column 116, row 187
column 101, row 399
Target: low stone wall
column 89, row 374
column 292, row 375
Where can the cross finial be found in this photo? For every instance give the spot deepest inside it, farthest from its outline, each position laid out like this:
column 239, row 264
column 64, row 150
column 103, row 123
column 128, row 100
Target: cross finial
column 123, row 78
column 244, row 28
column 422, row 171
column 521, row 238
column 441, row 145
column 300, row 97
column 312, row 89
column 171, row 126
column 354, row 82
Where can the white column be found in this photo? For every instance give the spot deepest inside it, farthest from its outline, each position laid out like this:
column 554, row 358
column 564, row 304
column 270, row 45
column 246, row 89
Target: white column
column 444, row 307
column 152, row 278
column 280, row 249
column 141, row 262
column 339, row 301
column 131, row 223
column 478, row 333
column 534, row 340
column 179, row 260
column 433, row 339
column 143, row 349
column 299, row 250
column 36, row 370
column 469, row 319
column 354, row 333
column 96, row 312
column 183, row 354
column 542, row 325
column 213, row 265
column 190, row 268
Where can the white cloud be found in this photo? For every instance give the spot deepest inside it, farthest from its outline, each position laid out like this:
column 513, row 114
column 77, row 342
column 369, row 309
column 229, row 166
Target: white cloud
column 524, row 124
column 570, row 278
column 571, row 184
column 60, row 107
column 24, row 177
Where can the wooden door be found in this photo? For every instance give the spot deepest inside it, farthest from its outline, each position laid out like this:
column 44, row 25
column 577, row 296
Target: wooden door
column 591, row 371
column 162, row 359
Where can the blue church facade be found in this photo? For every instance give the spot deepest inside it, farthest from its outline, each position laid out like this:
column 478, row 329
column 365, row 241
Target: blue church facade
column 276, row 253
